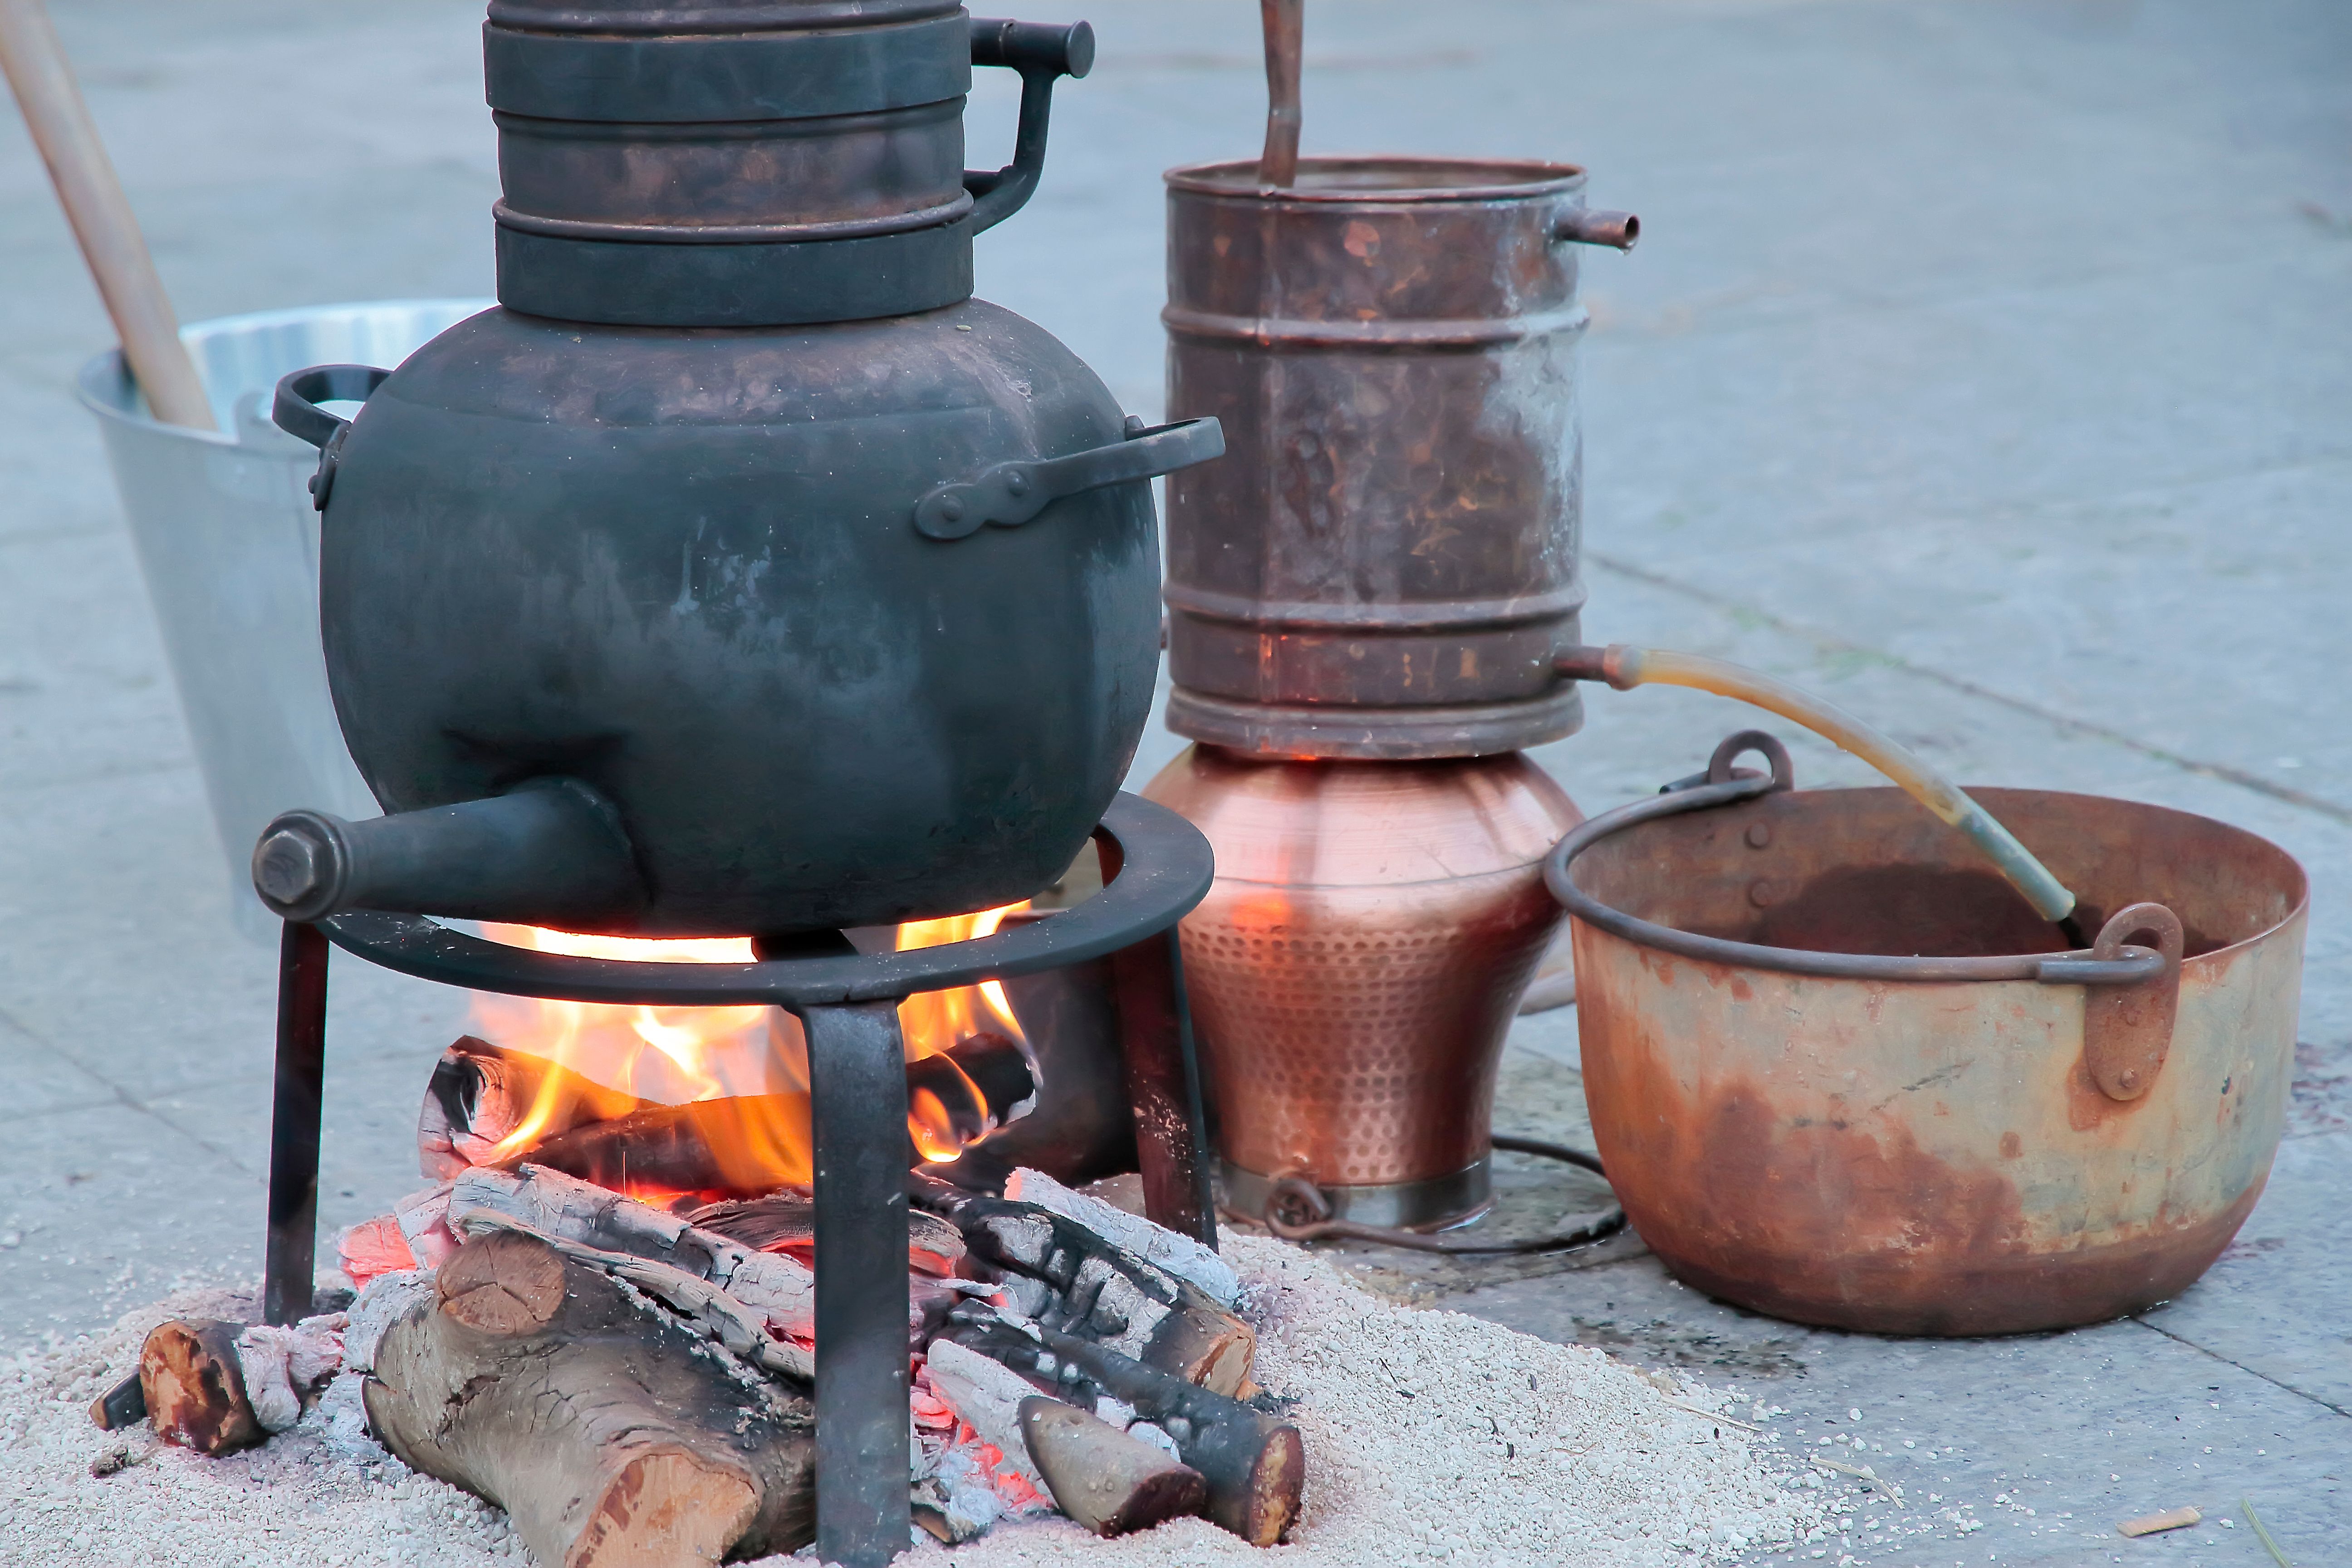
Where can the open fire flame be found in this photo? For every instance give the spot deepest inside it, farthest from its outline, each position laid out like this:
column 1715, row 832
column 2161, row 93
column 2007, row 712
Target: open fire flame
column 676, row 1056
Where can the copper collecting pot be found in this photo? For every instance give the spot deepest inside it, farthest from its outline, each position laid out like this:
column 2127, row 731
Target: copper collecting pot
column 1354, row 968
column 1805, row 1116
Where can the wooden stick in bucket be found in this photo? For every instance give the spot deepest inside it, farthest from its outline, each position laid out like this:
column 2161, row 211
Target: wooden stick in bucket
column 100, row 216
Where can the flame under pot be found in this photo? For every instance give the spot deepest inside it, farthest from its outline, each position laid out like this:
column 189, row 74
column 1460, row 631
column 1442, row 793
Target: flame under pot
column 1385, row 563
column 1354, row 968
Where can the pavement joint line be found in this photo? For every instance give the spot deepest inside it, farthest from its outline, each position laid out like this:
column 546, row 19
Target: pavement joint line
column 1827, row 642
column 2241, row 1366
column 122, row 1095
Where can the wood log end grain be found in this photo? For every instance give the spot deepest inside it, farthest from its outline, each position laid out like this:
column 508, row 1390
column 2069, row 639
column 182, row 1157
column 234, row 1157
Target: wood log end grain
column 1111, row 1483
column 1277, row 1483
column 195, row 1388
column 665, row 1508
column 502, row 1284
column 1206, row 1346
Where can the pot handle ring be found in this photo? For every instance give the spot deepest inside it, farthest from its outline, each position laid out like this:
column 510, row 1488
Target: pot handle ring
column 1040, row 51
column 1009, row 494
column 296, row 411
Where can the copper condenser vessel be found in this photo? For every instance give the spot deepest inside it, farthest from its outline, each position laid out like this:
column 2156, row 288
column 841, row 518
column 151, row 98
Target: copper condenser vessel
column 1365, row 602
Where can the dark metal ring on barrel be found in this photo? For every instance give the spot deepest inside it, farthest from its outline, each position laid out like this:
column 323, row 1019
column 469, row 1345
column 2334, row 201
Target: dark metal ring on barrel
column 1722, row 785
column 1165, row 871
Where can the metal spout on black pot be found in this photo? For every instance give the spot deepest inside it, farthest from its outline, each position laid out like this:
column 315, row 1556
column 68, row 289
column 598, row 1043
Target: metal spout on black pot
column 551, row 852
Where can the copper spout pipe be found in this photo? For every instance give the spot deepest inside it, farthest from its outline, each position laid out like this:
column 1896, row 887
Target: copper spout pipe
column 1619, row 231
column 1285, row 26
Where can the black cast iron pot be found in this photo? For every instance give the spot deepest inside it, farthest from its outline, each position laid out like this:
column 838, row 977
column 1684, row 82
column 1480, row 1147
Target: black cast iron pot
column 701, row 629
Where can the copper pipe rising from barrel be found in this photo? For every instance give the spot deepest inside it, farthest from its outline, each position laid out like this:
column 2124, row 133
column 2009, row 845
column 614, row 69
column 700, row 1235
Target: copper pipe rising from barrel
column 1285, row 26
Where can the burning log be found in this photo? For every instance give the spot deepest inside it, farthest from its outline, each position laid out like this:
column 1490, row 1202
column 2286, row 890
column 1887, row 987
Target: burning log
column 785, row 1222
column 1067, row 1278
column 558, row 1206
column 1106, row 1481
column 1254, row 1463
column 480, row 1093
column 732, row 1146
column 597, row 1423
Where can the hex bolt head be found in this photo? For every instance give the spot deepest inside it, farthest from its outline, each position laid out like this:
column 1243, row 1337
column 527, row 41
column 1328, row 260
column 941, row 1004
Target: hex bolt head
column 289, row 865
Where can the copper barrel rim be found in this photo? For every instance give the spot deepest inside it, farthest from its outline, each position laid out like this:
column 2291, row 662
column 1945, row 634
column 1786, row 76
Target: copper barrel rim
column 1515, row 179
column 2075, row 968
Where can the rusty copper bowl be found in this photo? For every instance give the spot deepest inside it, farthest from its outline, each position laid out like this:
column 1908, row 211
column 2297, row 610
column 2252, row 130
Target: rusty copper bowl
column 1925, row 1156
column 1355, row 966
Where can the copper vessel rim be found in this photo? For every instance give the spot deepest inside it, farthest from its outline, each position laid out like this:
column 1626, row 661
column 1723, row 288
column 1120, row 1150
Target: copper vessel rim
column 1729, row 953
column 1508, row 179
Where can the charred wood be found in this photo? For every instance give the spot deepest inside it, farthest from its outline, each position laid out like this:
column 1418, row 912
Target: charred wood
column 785, row 1222
column 195, row 1389
column 612, row 1434
column 1106, row 1481
column 124, row 1404
column 1253, row 1462
column 1066, row 1277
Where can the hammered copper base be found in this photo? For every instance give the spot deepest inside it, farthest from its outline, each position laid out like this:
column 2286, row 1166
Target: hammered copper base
column 1434, row 1203
column 1360, row 954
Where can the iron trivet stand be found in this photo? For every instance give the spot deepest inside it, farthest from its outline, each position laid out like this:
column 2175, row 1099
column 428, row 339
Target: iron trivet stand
column 1156, row 867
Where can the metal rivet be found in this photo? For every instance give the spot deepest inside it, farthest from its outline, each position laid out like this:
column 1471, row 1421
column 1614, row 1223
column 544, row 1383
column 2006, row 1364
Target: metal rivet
column 2127, row 1078
column 1016, row 484
column 1762, row 893
column 1759, row 834
column 951, row 508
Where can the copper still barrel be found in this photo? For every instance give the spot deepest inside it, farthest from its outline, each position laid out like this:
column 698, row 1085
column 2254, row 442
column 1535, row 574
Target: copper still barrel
column 1385, row 563
column 1365, row 603
column 1354, row 967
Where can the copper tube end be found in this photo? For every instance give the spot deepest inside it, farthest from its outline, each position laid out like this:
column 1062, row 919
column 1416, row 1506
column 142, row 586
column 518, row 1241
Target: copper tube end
column 1619, row 231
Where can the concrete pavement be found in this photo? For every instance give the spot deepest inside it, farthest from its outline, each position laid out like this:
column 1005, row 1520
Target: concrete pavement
column 1984, row 363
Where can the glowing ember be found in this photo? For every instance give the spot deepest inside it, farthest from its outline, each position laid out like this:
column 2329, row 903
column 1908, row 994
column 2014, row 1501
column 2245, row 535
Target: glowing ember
column 754, row 1055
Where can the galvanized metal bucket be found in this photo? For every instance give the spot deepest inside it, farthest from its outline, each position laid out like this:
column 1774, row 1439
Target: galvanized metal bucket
column 1841, row 1074
column 228, row 543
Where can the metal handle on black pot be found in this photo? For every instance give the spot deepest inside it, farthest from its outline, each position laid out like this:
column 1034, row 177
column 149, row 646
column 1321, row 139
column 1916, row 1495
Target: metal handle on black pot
column 296, row 411
column 1009, row 494
column 1040, row 51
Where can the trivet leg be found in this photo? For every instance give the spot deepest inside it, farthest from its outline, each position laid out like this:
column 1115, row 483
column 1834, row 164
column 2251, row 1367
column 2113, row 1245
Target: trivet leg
column 291, row 1254
column 1164, row 1084
column 857, row 1091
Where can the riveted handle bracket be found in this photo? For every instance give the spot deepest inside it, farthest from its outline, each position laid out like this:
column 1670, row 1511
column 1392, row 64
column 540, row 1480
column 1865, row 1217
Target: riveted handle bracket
column 1009, row 494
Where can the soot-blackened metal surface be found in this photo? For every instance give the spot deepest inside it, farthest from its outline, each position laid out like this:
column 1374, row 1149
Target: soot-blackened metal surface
column 1930, row 1156
column 1386, row 562
column 683, row 568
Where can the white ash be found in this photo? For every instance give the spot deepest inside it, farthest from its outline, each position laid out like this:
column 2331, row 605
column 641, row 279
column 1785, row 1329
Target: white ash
column 322, row 1494
column 1425, row 1443
column 283, row 1367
